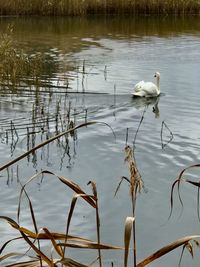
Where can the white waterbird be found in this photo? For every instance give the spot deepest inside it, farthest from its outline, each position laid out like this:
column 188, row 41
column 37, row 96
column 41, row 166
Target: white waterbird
column 148, row 89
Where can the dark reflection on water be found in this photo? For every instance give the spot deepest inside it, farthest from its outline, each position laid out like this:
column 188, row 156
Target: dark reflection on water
column 67, row 33
column 139, row 103
column 108, row 55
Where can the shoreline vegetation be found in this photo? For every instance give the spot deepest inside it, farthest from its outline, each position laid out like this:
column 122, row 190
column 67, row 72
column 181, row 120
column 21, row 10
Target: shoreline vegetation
column 87, row 7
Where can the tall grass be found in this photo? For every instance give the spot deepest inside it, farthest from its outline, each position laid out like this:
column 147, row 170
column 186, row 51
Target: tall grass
column 21, row 68
column 15, row 65
column 83, row 7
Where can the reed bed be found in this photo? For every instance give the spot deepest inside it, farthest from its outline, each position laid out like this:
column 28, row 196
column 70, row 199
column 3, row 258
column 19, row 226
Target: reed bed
column 84, row 7
column 25, row 72
column 16, row 66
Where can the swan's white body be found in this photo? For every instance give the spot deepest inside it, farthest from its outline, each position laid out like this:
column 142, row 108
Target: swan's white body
column 148, row 89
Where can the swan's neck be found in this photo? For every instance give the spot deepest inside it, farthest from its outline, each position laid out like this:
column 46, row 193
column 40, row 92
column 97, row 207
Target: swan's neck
column 158, row 83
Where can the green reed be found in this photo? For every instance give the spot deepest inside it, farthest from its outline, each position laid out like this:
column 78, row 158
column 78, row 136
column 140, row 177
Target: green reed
column 83, row 7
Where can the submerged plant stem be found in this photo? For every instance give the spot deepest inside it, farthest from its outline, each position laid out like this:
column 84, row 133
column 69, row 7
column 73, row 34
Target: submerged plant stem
column 47, row 142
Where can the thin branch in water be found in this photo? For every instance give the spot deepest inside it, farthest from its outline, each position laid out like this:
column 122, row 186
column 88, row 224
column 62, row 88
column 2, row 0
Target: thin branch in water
column 86, row 113
column 126, row 136
column 198, row 203
column 120, row 182
column 94, row 189
column 166, row 249
column 164, row 125
column 177, row 182
column 51, row 140
column 105, row 73
column 141, row 120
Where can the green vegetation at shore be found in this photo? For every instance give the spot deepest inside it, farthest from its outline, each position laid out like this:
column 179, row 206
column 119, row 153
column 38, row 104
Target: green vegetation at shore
column 84, row 7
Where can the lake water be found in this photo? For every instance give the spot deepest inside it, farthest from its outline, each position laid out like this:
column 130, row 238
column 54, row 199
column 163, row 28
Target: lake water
column 106, row 55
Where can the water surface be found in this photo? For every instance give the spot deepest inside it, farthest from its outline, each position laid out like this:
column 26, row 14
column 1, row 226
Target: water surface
column 114, row 53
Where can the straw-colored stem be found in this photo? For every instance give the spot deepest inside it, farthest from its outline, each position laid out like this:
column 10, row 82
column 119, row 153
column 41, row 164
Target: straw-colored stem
column 133, row 196
column 98, row 232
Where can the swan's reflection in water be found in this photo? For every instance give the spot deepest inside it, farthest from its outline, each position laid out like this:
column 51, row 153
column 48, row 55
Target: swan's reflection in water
column 140, row 102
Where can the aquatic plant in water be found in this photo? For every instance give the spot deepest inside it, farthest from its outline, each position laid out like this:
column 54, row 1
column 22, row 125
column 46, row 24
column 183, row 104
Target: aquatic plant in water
column 17, row 67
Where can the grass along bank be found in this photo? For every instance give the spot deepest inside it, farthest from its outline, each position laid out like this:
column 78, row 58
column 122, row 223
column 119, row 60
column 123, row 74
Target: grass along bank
column 84, row 7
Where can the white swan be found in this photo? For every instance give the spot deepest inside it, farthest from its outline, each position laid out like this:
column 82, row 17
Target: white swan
column 148, row 89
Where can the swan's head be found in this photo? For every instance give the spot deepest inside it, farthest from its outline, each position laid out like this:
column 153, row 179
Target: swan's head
column 157, row 74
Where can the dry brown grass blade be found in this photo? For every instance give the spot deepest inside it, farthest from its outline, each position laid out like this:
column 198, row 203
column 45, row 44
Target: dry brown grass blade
column 71, row 263
column 184, row 170
column 57, row 248
column 51, row 140
column 197, row 184
column 11, row 222
column 56, row 236
column 119, row 185
column 9, row 241
column 38, row 251
column 89, row 245
column 74, row 240
column 20, row 196
column 159, row 253
column 77, row 241
column 72, row 206
column 20, row 229
column 9, row 255
column 127, row 237
column 178, row 182
column 189, row 247
column 172, row 197
column 94, row 189
column 76, row 188
column 41, row 236
column 71, row 210
column 32, row 214
column 31, row 210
